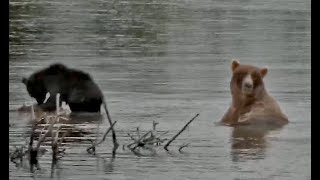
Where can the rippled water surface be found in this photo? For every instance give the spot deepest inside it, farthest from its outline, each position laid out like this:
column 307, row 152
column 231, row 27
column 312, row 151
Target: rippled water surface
column 165, row 61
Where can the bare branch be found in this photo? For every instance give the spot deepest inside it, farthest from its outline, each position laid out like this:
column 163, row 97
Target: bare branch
column 106, row 133
column 114, row 138
column 138, row 132
column 174, row 137
column 103, row 139
column 154, row 124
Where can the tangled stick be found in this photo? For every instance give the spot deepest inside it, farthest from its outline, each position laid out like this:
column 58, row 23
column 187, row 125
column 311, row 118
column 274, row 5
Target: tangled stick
column 147, row 141
column 138, row 142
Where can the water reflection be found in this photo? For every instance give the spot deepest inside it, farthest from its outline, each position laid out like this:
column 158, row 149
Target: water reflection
column 108, row 165
column 79, row 118
column 249, row 142
column 72, row 118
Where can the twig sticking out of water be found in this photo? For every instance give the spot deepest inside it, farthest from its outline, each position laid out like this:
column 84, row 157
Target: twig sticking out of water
column 33, row 151
column 56, row 153
column 138, row 132
column 33, row 117
column 57, row 103
column 55, row 144
column 154, row 124
column 183, row 146
column 42, row 138
column 92, row 148
column 61, row 152
column 174, row 137
column 114, row 138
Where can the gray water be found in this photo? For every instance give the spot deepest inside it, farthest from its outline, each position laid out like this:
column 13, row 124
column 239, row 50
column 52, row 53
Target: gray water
column 165, row 61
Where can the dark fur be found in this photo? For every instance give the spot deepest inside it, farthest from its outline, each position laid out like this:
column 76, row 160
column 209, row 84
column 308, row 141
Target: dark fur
column 76, row 88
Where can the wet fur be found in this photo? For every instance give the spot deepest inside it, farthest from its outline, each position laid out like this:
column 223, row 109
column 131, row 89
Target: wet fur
column 256, row 108
column 76, row 88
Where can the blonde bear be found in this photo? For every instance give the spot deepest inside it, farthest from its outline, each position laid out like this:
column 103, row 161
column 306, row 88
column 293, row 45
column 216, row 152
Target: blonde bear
column 251, row 103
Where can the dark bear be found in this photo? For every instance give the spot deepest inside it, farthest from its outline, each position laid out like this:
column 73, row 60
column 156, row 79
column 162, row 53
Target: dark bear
column 76, row 88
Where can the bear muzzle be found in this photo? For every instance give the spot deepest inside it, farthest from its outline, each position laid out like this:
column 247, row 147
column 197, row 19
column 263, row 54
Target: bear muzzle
column 247, row 85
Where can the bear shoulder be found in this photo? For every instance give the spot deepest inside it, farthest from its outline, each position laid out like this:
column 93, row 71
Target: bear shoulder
column 80, row 75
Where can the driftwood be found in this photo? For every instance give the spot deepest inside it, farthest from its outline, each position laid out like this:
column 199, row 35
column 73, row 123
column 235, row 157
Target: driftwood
column 148, row 140
column 174, row 137
column 138, row 142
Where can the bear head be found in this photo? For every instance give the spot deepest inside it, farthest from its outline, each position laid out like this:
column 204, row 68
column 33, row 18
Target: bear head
column 35, row 87
column 35, row 84
column 247, row 80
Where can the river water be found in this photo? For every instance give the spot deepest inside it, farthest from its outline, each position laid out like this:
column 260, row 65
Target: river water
column 166, row 61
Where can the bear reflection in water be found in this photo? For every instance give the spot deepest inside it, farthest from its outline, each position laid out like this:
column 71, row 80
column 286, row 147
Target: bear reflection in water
column 250, row 142
column 70, row 117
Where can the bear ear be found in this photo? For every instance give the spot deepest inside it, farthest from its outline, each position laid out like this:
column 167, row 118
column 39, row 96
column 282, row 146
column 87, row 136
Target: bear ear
column 235, row 63
column 24, row 81
column 264, row 72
